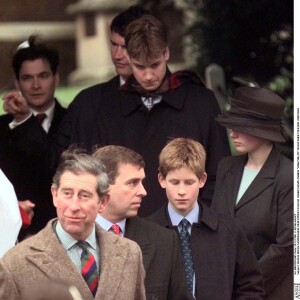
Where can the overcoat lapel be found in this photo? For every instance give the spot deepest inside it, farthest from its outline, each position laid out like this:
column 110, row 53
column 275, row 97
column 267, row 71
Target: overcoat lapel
column 262, row 181
column 52, row 260
column 113, row 259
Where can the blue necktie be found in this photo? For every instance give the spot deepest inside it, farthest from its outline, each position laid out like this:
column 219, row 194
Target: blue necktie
column 185, row 241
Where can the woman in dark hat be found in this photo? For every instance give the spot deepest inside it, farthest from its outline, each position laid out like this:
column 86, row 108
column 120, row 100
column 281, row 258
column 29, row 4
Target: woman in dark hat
column 257, row 187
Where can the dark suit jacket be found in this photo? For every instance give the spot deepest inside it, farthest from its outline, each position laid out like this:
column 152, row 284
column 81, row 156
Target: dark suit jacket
column 265, row 212
column 23, row 164
column 224, row 265
column 165, row 277
column 104, row 115
column 42, row 257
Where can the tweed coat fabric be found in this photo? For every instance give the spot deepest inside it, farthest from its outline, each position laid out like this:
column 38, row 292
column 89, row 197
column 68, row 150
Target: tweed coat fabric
column 43, row 257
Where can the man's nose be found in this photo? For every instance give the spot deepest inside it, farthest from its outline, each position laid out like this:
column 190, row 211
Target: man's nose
column 75, row 203
column 142, row 190
column 119, row 52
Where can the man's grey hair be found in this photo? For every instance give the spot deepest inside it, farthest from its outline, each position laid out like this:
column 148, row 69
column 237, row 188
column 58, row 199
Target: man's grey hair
column 77, row 161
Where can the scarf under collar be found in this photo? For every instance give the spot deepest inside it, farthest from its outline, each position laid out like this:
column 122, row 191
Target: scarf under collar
column 171, row 82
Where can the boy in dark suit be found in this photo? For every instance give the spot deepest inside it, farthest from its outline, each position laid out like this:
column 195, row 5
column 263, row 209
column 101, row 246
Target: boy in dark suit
column 218, row 260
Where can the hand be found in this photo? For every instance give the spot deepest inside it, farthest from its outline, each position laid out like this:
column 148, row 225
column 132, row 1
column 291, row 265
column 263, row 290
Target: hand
column 16, row 105
column 28, row 206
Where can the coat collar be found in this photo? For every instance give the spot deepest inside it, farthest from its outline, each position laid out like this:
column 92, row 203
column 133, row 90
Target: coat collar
column 208, row 217
column 49, row 256
column 131, row 102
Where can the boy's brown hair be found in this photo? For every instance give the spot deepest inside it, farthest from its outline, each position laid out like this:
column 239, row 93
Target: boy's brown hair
column 182, row 152
column 146, row 38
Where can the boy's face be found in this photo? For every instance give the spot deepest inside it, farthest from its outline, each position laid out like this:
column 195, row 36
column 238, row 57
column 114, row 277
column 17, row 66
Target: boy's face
column 150, row 74
column 182, row 188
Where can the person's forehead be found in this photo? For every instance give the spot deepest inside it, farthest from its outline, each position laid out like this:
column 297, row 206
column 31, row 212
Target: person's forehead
column 29, row 66
column 78, row 179
column 116, row 37
column 147, row 61
column 129, row 170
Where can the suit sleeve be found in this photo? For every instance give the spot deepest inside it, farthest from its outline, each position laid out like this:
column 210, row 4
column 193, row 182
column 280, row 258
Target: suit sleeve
column 277, row 262
column 248, row 278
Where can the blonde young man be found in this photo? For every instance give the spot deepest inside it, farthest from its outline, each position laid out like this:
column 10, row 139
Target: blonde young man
column 73, row 250
column 159, row 104
column 218, row 260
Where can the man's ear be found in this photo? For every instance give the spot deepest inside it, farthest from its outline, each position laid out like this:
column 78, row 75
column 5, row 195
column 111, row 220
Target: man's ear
column 103, row 203
column 202, row 180
column 161, row 181
column 167, row 54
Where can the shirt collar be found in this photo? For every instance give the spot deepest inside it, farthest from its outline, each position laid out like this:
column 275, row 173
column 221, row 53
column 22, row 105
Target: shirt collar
column 122, row 81
column 105, row 224
column 49, row 112
column 176, row 217
column 68, row 241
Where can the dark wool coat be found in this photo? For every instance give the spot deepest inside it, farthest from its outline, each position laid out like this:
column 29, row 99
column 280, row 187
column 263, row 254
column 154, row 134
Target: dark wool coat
column 23, row 165
column 224, row 265
column 265, row 212
column 165, row 277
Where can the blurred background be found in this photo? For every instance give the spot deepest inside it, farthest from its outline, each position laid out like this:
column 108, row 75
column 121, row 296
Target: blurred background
column 229, row 43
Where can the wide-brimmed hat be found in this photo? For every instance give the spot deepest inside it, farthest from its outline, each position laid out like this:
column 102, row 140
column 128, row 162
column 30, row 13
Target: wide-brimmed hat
column 255, row 111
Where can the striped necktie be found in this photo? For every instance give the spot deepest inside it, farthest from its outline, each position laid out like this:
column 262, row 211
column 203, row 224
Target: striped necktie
column 88, row 267
column 185, row 241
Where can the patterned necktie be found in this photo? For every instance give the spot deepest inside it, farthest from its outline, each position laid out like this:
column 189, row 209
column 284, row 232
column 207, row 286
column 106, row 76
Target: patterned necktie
column 149, row 103
column 185, row 241
column 88, row 267
column 116, row 229
column 41, row 117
